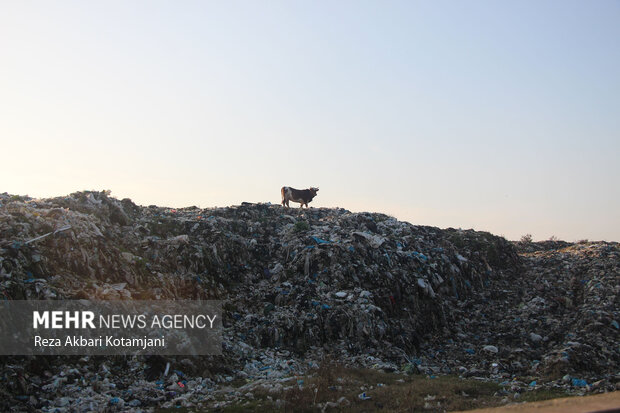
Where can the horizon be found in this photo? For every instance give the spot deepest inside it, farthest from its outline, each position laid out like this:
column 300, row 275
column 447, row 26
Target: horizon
column 500, row 117
column 202, row 207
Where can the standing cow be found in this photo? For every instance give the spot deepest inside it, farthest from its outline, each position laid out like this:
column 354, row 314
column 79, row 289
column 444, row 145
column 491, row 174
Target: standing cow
column 303, row 196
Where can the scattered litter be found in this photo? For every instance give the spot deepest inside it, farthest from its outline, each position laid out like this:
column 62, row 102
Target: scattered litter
column 490, row 349
column 66, row 227
column 579, row 383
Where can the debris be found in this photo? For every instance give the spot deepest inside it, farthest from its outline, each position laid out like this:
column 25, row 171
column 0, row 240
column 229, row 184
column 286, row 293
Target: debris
column 579, row 382
column 490, row 349
column 66, row 227
column 376, row 292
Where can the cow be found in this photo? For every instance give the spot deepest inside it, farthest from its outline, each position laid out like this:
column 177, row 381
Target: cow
column 303, row 196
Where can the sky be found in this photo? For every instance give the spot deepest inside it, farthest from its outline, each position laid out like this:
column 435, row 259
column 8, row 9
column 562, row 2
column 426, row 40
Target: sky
column 502, row 116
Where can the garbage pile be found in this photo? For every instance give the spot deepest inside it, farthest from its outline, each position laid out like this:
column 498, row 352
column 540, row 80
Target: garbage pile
column 297, row 285
column 557, row 320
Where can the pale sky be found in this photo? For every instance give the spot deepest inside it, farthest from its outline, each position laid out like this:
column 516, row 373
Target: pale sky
column 501, row 116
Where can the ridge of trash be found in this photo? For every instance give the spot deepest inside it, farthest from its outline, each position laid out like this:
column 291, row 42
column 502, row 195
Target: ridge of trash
column 300, row 284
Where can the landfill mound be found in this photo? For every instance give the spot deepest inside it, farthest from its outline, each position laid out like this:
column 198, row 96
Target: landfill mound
column 297, row 285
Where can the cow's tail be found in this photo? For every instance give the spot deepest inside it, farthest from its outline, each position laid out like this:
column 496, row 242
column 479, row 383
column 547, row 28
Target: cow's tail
column 282, row 191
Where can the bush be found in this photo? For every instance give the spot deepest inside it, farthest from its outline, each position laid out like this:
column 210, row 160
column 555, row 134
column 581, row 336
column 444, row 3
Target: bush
column 526, row 239
column 301, row 226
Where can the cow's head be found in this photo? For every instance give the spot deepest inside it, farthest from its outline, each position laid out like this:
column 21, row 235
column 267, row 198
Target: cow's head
column 314, row 190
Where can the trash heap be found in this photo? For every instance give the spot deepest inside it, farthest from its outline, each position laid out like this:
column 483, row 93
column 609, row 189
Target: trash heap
column 297, row 285
column 558, row 319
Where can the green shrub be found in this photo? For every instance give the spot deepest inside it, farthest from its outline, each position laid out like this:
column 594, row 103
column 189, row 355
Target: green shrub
column 301, row 226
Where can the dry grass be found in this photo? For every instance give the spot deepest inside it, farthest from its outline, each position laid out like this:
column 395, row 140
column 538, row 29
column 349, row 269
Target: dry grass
column 388, row 392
